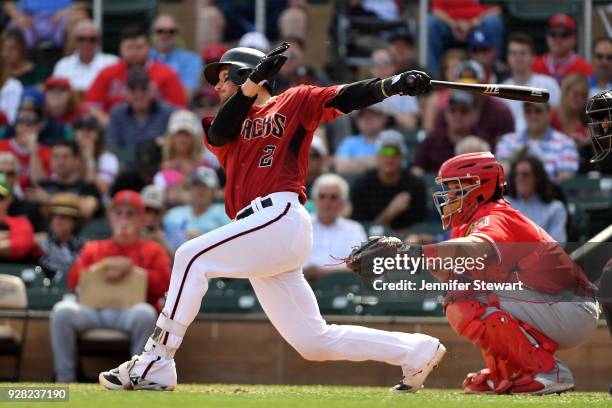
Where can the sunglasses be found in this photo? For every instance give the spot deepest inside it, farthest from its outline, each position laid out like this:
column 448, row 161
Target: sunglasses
column 124, row 213
column 478, row 50
column 524, row 173
column 84, row 39
column 170, row 31
column 457, row 109
column 390, row 151
column 26, row 121
column 332, row 197
column 603, row 57
column 560, row 34
column 529, row 111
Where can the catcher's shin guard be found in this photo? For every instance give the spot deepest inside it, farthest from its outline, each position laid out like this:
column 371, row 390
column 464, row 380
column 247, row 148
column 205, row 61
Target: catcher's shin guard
column 166, row 337
column 511, row 348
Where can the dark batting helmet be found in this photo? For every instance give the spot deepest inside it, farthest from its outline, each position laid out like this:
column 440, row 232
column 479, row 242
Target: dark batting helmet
column 241, row 61
column 599, row 112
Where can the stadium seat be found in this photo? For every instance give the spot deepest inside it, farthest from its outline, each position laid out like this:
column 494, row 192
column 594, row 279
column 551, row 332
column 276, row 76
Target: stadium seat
column 229, row 296
column 13, row 297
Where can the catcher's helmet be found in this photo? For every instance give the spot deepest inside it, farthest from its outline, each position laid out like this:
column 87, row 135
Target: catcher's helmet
column 241, row 61
column 468, row 181
column 599, row 112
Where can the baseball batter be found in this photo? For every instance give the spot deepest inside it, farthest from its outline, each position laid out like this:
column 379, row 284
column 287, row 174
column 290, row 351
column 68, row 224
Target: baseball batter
column 263, row 142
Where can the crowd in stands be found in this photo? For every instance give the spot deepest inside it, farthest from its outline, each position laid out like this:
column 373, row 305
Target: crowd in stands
column 116, row 139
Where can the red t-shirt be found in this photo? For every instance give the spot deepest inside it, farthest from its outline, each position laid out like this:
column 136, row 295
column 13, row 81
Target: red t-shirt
column 109, row 89
column 44, row 155
column 21, row 236
column 460, row 9
column 148, row 255
column 525, row 252
column 574, row 63
column 271, row 153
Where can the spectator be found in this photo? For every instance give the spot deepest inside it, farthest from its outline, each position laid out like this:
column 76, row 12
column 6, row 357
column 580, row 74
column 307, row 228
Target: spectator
column 482, row 50
column 459, row 121
column 187, row 64
column 10, row 94
column 96, row 164
column 16, row 233
column 293, row 21
column 213, row 52
column 520, row 55
column 601, row 79
column 240, row 18
column 438, row 100
column 556, row 151
column 333, row 235
column 61, row 246
column 61, row 104
column 471, row 144
column 531, row 192
column 82, row 67
column 200, row 216
column 569, row 116
column 205, row 102
column 318, row 162
column 40, row 21
column 34, row 158
column 114, row 259
column 142, row 118
column 65, row 178
column 16, row 63
column 453, row 20
column 400, row 44
column 9, row 166
column 108, row 89
column 296, row 71
column 561, row 60
column 357, row 153
column 182, row 147
column 389, row 195
column 403, row 109
column 212, row 25
column 153, row 200
column 255, row 40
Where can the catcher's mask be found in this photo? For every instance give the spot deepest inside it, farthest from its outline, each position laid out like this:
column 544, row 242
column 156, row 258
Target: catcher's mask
column 599, row 113
column 468, row 181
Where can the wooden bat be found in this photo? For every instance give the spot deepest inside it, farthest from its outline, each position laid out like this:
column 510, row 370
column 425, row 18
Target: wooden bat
column 515, row 92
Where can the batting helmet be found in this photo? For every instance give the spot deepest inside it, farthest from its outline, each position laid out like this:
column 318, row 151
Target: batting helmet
column 468, row 181
column 241, row 61
column 599, row 113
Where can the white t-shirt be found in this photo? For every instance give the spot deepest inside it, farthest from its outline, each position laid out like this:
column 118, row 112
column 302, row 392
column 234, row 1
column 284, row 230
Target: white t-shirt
column 10, row 95
column 108, row 167
column 81, row 75
column 334, row 240
column 537, row 81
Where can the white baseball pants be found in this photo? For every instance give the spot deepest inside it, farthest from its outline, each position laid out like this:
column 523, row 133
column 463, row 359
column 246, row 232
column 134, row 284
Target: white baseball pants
column 269, row 248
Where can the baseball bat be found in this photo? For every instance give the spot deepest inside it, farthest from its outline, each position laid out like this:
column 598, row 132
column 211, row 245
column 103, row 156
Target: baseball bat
column 515, row 92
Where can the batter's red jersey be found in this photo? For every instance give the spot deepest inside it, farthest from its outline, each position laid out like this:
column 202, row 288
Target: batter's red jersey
column 271, row 153
column 525, row 252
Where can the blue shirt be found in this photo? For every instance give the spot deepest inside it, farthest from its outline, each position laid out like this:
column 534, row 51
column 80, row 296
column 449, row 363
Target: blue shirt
column 124, row 129
column 180, row 221
column 353, row 147
column 36, row 6
column 550, row 216
column 188, row 65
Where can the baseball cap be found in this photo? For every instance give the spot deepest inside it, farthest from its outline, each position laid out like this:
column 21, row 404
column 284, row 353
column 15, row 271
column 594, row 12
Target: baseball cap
column 391, row 138
column 183, row 120
column 57, row 82
column 255, row 40
column 153, row 197
column 213, row 53
column 317, row 147
column 478, row 38
column 137, row 76
column 469, row 72
column 32, row 99
column 562, row 21
column 5, row 186
column 129, row 197
column 65, row 204
column 206, row 176
column 463, row 98
column 401, row 33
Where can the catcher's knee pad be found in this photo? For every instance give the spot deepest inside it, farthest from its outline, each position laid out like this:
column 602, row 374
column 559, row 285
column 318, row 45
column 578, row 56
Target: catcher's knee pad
column 460, row 314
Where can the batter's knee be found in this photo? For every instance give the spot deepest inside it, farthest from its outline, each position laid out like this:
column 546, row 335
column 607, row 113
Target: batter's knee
column 313, row 352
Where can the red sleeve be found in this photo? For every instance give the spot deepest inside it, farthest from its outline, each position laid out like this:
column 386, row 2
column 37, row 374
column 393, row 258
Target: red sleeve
column 44, row 154
column 539, row 66
column 21, row 236
column 159, row 272
column 97, row 94
column 172, row 90
column 219, row 151
column 312, row 101
column 492, row 228
column 585, row 68
column 85, row 260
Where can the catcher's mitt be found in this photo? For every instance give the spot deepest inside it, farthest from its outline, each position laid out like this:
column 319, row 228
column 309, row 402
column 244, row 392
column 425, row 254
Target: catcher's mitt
column 361, row 258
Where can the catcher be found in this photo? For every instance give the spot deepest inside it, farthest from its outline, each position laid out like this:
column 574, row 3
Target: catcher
column 517, row 334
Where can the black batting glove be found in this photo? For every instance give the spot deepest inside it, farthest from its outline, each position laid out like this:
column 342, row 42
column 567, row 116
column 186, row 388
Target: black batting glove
column 270, row 65
column 407, row 83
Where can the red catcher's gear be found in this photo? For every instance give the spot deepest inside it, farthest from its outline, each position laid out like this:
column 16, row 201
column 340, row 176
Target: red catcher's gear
column 468, row 181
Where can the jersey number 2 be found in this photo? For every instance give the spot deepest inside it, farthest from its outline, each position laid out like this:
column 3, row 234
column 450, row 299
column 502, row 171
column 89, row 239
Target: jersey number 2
column 266, row 159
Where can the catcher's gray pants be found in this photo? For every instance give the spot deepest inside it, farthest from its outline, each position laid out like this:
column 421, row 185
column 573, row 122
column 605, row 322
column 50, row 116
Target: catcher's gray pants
column 68, row 318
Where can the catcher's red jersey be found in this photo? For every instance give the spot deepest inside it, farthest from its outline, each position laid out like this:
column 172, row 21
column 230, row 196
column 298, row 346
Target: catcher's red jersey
column 525, row 252
column 271, row 153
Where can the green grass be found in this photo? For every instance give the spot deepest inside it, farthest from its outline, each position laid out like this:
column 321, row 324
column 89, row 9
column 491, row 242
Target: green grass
column 247, row 396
